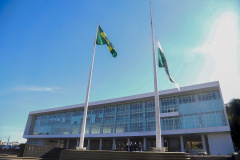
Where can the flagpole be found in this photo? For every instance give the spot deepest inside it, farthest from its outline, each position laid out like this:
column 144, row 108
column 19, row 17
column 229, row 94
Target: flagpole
column 157, row 112
column 87, row 98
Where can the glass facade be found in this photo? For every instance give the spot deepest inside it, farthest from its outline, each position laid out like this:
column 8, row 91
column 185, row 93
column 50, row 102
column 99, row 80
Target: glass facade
column 200, row 110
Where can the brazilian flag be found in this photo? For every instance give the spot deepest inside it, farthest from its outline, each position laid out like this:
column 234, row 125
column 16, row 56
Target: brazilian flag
column 103, row 39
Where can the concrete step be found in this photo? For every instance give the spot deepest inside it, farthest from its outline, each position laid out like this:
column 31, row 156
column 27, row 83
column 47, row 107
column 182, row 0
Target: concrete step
column 67, row 154
column 2, row 155
column 18, row 158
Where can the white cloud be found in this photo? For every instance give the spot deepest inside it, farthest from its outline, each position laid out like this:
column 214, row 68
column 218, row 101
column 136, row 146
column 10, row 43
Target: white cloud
column 221, row 51
column 36, row 88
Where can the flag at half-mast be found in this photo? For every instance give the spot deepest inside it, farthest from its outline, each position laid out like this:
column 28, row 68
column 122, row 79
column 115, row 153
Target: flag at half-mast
column 163, row 63
column 103, row 39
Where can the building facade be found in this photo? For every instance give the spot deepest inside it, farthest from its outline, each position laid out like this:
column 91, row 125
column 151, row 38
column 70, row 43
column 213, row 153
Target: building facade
column 192, row 119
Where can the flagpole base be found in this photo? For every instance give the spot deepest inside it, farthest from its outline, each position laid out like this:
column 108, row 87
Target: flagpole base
column 84, row 148
column 158, row 149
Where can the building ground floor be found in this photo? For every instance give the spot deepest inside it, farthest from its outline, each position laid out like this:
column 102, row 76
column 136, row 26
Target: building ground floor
column 212, row 143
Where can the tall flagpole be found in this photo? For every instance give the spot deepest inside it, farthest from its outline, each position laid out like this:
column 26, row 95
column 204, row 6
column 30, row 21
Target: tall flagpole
column 87, row 97
column 157, row 112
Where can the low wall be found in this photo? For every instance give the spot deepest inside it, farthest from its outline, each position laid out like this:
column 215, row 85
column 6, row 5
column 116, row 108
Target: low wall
column 41, row 151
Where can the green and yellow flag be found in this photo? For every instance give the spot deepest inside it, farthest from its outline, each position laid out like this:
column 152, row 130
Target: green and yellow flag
column 103, row 39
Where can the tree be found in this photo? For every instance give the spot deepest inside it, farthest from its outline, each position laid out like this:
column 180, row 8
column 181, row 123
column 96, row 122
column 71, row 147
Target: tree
column 233, row 113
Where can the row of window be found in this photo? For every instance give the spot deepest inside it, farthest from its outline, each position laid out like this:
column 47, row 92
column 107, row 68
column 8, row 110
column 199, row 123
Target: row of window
column 166, row 109
column 100, row 118
column 189, row 99
column 212, row 119
column 206, row 97
column 134, row 116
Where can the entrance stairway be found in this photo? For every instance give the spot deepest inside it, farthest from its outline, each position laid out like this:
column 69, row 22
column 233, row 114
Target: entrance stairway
column 68, row 154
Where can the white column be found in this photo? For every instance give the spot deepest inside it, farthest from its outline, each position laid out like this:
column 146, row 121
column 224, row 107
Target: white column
column 88, row 144
column 67, row 144
column 113, row 147
column 145, row 143
column 182, row 144
column 100, row 145
column 203, row 142
column 162, row 141
column 58, row 146
column 77, row 142
column 128, row 144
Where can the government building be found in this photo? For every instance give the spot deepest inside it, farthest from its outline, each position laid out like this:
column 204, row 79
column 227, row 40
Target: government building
column 192, row 119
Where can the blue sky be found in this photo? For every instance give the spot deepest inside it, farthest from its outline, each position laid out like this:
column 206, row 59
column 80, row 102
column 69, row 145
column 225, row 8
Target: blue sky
column 46, row 49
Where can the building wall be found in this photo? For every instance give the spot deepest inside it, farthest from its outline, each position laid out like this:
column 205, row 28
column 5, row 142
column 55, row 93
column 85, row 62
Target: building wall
column 196, row 110
column 45, row 142
column 220, row 144
column 49, row 152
